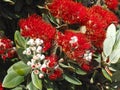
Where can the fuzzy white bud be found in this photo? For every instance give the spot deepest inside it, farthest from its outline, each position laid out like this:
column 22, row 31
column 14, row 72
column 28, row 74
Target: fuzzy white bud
column 28, row 51
column 36, row 71
column 33, row 48
column 42, row 57
column 38, row 42
column 41, row 75
column 24, row 52
column 39, row 49
column 35, row 57
column 74, row 39
column 31, row 42
column 88, row 56
column 29, row 63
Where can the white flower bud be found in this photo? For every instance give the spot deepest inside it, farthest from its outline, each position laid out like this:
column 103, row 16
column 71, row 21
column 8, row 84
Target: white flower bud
column 24, row 52
column 41, row 75
column 37, row 65
column 35, row 57
column 38, row 42
column 41, row 41
column 32, row 61
column 88, row 56
column 33, row 48
column 36, row 71
column 31, row 42
column 28, row 51
column 43, row 66
column 39, row 49
column 42, row 57
column 29, row 63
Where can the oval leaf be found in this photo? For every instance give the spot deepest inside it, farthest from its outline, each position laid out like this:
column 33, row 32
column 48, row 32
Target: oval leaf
column 106, row 75
column 37, row 82
column 30, row 86
column 72, row 80
column 110, row 40
column 21, row 68
column 114, row 56
column 19, row 40
column 12, row 79
column 80, row 72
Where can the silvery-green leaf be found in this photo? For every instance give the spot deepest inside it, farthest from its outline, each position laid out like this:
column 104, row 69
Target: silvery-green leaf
column 114, row 56
column 110, row 40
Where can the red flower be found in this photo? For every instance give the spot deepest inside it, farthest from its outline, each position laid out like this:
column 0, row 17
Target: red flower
column 35, row 27
column 53, row 76
column 1, row 88
column 57, row 74
column 68, row 10
column 98, row 19
column 6, row 48
column 96, row 37
column 112, row 4
column 86, row 67
column 52, row 61
column 73, row 44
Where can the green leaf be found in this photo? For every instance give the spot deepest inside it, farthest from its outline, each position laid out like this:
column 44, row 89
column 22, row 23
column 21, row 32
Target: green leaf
column 114, row 57
column 12, row 79
column 17, row 88
column 30, row 86
column 72, row 79
column 37, row 82
column 106, row 75
column 110, row 40
column 19, row 40
column 21, row 68
column 66, row 66
column 10, row 70
column 23, row 57
column 80, row 72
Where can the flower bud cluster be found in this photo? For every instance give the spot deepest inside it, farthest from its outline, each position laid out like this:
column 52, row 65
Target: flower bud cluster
column 6, row 48
column 40, row 64
column 88, row 56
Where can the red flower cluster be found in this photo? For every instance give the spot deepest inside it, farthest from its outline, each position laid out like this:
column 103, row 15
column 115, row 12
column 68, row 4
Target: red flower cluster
column 68, row 10
column 73, row 44
column 6, row 48
column 86, row 67
column 1, row 88
column 98, row 20
column 52, row 68
column 35, row 27
column 112, row 4
column 56, row 74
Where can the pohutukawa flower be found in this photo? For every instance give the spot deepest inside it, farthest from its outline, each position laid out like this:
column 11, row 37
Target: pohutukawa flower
column 112, row 4
column 6, row 48
column 73, row 44
column 35, row 27
column 86, row 67
column 68, row 10
column 98, row 19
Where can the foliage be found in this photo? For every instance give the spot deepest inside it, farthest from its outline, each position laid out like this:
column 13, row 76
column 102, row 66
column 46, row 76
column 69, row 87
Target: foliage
column 60, row 48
